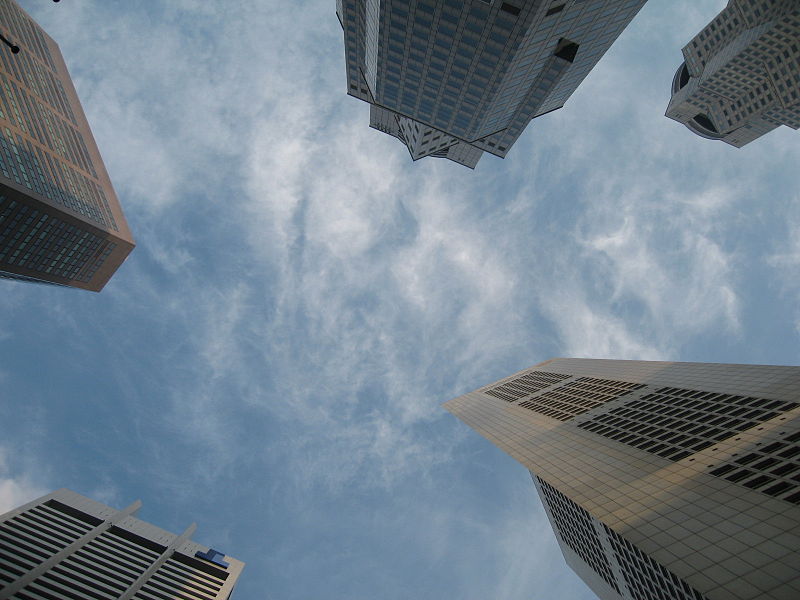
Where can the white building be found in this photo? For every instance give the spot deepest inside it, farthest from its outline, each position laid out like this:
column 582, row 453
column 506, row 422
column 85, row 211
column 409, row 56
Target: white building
column 741, row 75
column 673, row 481
column 64, row 545
column 455, row 78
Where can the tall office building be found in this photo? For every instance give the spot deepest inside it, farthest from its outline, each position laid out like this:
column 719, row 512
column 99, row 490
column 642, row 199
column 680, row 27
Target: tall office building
column 455, row 78
column 64, row 545
column 60, row 220
column 673, row 481
column 741, row 74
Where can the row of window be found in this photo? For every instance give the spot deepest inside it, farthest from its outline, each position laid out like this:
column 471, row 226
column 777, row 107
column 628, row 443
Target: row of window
column 773, row 469
column 674, row 423
column 41, row 80
column 34, row 168
column 578, row 397
column 645, row 578
column 576, row 527
column 40, row 242
column 26, row 31
column 527, row 384
column 43, row 125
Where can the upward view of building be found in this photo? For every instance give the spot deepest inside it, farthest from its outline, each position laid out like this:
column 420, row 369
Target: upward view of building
column 456, row 78
column 741, row 74
column 65, row 545
column 60, row 220
column 675, row 481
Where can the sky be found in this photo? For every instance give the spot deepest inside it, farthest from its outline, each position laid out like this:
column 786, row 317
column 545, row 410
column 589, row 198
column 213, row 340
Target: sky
column 271, row 360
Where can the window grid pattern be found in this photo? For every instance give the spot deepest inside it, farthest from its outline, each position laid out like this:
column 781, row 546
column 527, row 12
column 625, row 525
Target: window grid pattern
column 40, row 122
column 645, row 578
column 35, row 240
column 26, row 31
column 577, row 397
column 754, row 85
column 119, row 562
column 674, row 423
column 477, row 71
column 576, row 527
column 772, row 469
column 180, row 577
column 28, row 165
column 16, row 277
column 47, row 152
column 528, row 384
column 30, row 538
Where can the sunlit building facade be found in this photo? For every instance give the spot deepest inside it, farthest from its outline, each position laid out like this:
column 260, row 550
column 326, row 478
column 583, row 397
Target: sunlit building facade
column 740, row 77
column 60, row 220
column 661, row 480
column 64, row 545
column 456, row 78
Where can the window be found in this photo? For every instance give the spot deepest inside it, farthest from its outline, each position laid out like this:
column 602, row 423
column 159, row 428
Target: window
column 509, row 8
column 530, row 383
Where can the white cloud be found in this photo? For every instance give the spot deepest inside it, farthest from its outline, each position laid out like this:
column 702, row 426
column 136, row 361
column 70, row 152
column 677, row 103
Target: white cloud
column 15, row 489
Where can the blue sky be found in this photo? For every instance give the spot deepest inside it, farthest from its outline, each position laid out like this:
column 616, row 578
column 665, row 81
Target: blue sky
column 271, row 360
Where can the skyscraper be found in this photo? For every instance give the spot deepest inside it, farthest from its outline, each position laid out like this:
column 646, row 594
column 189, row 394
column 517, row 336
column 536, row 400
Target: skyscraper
column 455, row 78
column 60, row 220
column 64, row 545
column 678, row 481
column 741, row 74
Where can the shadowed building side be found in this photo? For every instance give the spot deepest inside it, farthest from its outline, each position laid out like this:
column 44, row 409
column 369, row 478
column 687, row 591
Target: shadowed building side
column 678, row 479
column 454, row 79
column 60, row 220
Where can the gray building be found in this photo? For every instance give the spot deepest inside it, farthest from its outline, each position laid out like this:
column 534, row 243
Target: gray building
column 675, row 481
column 456, row 78
column 65, row 545
column 741, row 74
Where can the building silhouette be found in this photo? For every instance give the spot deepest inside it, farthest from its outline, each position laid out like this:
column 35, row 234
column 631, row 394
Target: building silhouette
column 740, row 77
column 60, row 220
column 65, row 545
column 455, row 78
column 661, row 480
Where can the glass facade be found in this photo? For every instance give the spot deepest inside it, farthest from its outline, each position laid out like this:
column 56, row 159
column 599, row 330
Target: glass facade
column 467, row 77
column 60, row 221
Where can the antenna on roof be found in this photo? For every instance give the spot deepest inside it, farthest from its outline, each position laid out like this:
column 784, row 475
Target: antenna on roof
column 13, row 47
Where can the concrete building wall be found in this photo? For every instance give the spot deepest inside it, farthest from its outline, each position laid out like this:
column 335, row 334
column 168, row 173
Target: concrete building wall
column 691, row 463
column 64, row 545
column 741, row 74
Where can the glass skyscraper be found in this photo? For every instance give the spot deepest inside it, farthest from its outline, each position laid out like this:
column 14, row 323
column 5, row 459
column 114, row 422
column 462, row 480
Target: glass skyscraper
column 456, row 78
column 60, row 220
column 64, row 545
column 674, row 481
column 740, row 77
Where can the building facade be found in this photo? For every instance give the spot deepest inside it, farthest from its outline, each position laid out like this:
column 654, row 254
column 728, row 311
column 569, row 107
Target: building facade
column 675, row 481
column 65, row 545
column 741, row 74
column 60, row 220
column 457, row 78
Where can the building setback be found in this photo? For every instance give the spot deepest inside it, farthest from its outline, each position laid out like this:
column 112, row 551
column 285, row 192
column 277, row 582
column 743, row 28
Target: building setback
column 60, row 220
column 740, row 77
column 64, row 545
column 665, row 480
column 456, row 78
